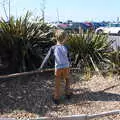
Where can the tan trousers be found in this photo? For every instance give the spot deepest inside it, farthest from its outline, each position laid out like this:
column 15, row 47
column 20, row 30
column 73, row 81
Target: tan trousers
column 61, row 74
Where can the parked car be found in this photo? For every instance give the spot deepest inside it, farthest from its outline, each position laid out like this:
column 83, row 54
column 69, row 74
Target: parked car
column 89, row 25
column 98, row 24
column 111, row 28
column 63, row 26
column 76, row 26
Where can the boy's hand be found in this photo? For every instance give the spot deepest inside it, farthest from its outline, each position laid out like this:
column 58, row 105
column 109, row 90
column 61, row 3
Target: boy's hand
column 40, row 69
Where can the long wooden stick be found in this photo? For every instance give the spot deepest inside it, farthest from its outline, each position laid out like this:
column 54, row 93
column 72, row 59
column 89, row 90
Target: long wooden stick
column 24, row 73
column 31, row 72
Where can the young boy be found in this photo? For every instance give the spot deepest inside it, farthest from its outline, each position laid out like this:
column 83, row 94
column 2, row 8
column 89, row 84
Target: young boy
column 60, row 53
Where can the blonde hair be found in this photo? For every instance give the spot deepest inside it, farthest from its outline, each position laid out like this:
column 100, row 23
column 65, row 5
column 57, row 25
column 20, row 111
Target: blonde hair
column 60, row 35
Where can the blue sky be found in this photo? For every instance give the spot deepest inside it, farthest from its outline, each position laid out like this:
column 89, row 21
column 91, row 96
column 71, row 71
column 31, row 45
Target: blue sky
column 76, row 10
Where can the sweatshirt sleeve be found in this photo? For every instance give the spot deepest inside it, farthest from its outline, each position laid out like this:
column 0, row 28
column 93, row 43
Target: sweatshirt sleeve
column 68, row 49
column 47, row 57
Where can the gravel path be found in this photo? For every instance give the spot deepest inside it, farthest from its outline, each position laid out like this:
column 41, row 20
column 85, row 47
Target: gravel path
column 30, row 96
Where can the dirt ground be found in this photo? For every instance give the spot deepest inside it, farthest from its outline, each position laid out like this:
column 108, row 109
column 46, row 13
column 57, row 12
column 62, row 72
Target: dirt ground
column 31, row 96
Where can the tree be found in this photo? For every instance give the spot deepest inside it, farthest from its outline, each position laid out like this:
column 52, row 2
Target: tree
column 4, row 4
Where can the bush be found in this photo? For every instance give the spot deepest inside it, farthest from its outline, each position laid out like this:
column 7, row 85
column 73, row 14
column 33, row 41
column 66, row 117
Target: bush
column 90, row 51
column 23, row 43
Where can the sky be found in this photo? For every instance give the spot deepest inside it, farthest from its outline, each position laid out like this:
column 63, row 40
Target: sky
column 63, row 10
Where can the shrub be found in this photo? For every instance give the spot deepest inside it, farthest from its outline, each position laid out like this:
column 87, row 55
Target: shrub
column 90, row 51
column 23, row 43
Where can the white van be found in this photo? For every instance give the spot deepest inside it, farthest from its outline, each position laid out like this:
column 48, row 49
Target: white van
column 112, row 28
